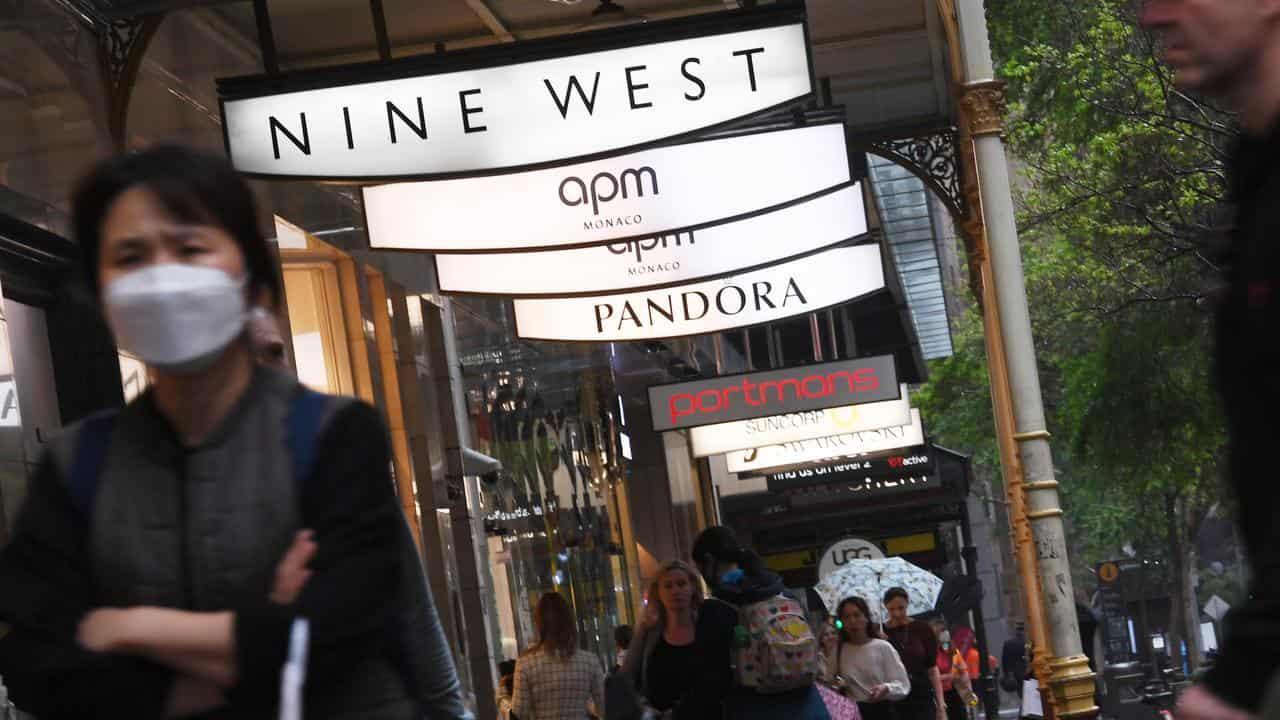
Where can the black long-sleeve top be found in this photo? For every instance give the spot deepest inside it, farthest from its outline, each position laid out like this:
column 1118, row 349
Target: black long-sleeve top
column 47, row 577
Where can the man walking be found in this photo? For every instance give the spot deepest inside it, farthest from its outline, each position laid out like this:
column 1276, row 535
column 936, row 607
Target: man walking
column 1230, row 49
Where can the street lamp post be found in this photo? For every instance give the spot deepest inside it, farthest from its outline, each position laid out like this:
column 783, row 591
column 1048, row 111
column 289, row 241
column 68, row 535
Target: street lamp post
column 1035, row 513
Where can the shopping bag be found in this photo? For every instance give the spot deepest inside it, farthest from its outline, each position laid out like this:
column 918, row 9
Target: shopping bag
column 839, row 707
column 1031, row 704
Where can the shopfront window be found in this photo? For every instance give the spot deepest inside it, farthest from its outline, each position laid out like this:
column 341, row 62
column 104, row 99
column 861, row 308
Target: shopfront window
column 319, row 335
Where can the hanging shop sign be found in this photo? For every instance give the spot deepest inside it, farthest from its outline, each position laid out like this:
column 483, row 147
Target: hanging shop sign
column 918, row 462
column 800, row 286
column 745, row 396
column 791, row 427
column 9, row 414
column 843, row 552
column 662, row 260
column 798, row 452
column 639, row 195
column 479, row 111
column 911, row 459
column 852, row 486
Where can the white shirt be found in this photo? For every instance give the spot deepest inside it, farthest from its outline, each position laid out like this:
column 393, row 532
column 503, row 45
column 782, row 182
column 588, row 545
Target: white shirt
column 865, row 666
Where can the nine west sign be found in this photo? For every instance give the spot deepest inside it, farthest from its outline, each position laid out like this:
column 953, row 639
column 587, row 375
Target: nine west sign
column 745, row 396
column 797, row 426
column 637, row 195
column 662, row 259
column 811, row 283
column 438, row 116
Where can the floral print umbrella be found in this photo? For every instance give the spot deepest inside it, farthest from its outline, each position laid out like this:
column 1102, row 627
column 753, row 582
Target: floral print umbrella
column 869, row 579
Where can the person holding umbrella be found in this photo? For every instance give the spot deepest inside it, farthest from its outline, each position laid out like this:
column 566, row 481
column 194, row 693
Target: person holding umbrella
column 918, row 647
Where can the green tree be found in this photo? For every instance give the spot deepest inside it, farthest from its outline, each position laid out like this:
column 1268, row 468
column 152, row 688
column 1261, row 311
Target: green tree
column 1121, row 185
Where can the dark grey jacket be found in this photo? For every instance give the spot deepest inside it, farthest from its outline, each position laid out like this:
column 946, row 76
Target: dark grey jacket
column 203, row 529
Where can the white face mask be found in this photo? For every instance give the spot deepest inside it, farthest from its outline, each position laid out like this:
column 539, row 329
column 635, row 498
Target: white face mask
column 178, row 318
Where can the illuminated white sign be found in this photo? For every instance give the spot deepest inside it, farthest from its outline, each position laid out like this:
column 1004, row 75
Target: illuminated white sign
column 430, row 121
column 843, row 552
column 9, row 414
column 797, row 426
column 811, row 283
column 638, row 195
column 664, row 259
column 841, row 445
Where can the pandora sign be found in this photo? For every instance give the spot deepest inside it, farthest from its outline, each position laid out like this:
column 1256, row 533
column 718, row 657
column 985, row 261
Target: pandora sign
column 637, row 195
column 811, row 283
column 423, row 117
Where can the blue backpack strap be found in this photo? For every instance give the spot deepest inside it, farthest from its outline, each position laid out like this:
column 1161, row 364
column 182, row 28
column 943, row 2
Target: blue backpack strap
column 306, row 411
column 92, row 440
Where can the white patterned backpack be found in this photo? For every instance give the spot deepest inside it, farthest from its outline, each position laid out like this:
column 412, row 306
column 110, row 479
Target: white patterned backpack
column 775, row 649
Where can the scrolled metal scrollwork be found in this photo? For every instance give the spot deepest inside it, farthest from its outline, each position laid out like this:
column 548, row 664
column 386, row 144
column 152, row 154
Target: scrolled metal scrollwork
column 934, row 158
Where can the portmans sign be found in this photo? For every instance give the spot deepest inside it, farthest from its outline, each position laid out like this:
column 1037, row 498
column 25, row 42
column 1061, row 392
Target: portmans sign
column 742, row 397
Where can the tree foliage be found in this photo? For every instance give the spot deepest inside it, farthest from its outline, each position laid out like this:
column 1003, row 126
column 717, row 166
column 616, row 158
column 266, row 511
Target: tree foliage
column 1121, row 188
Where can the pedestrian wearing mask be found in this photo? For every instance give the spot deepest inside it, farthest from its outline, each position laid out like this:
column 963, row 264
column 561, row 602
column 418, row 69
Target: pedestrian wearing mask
column 918, row 648
column 864, row 667
column 753, row 619
column 666, row 663
column 555, row 680
column 165, row 582
column 953, row 669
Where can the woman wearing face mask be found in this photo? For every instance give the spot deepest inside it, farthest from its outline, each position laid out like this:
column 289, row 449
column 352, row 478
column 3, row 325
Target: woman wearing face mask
column 665, row 658
column 161, row 591
column 953, row 670
column 864, row 667
column 918, row 648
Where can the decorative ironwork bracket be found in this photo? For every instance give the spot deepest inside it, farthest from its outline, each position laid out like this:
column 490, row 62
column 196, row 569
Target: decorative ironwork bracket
column 122, row 44
column 934, row 158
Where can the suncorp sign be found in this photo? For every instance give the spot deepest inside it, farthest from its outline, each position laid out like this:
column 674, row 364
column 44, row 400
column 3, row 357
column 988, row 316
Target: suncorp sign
column 662, row 259
column 762, row 394
column 812, row 283
column 798, row 426
column 638, row 195
column 513, row 107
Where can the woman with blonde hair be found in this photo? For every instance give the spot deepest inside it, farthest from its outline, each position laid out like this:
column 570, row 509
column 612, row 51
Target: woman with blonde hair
column 555, row 680
column 674, row 662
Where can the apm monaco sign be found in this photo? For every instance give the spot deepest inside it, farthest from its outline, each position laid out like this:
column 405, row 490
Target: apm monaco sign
column 801, row 286
column 662, row 260
column 844, row 444
column 639, row 195
column 797, row 426
column 729, row 398
column 504, row 108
